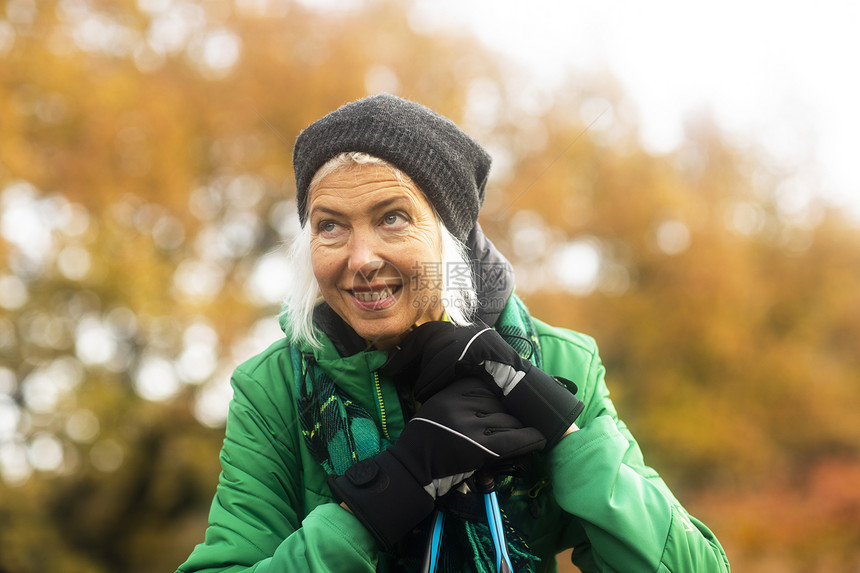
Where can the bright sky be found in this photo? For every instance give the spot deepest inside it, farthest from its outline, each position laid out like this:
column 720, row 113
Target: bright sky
column 782, row 72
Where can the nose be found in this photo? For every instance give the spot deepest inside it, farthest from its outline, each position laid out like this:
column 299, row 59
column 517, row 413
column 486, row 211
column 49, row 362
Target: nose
column 364, row 252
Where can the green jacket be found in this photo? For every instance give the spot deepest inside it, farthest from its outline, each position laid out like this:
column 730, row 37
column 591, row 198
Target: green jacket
column 273, row 511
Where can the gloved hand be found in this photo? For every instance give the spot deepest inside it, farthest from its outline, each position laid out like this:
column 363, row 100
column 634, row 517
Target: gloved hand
column 453, row 434
column 438, row 352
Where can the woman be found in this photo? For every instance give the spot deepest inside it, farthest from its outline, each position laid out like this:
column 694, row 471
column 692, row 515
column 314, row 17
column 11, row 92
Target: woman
column 391, row 402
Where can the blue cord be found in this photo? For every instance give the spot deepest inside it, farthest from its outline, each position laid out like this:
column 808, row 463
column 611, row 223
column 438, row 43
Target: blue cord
column 494, row 518
column 431, row 556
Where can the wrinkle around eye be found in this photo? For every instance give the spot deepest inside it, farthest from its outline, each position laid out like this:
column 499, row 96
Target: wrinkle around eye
column 324, row 226
column 402, row 218
column 337, row 232
column 402, row 226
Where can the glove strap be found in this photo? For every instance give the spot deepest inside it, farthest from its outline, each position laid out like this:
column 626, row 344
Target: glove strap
column 384, row 496
column 542, row 402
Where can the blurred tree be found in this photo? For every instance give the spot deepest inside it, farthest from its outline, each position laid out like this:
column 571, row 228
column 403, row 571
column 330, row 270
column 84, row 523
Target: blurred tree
column 146, row 192
column 728, row 320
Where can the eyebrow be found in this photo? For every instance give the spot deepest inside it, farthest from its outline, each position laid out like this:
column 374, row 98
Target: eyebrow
column 326, row 210
column 377, row 206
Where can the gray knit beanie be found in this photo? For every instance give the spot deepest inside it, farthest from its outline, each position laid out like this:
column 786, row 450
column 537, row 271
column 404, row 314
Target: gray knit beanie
column 450, row 167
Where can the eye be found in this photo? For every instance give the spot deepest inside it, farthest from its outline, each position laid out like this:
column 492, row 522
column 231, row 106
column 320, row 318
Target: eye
column 394, row 218
column 328, row 228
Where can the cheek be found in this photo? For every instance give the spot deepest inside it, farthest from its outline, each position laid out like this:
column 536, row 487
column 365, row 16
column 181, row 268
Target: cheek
column 426, row 242
column 323, row 266
column 422, row 261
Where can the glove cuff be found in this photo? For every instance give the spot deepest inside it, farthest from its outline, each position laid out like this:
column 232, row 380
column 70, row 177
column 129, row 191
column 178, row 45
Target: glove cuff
column 541, row 401
column 384, row 496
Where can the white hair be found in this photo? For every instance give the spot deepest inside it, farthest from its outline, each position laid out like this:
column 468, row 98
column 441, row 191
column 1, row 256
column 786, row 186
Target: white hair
column 459, row 297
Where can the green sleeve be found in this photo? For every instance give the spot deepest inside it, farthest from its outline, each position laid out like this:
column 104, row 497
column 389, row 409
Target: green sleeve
column 257, row 521
column 631, row 520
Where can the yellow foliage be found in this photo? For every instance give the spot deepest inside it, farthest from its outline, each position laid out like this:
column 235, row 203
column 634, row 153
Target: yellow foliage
column 154, row 175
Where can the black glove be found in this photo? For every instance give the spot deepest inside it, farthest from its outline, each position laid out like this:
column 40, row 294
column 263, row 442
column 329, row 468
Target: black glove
column 456, row 432
column 438, row 352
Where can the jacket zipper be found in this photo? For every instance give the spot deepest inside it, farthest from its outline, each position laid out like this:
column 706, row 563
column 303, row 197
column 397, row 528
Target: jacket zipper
column 382, row 417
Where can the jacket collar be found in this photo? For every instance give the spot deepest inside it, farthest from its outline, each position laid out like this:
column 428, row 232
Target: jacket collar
column 345, row 339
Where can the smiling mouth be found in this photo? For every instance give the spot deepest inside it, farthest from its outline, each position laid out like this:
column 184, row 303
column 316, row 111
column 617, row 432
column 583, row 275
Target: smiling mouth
column 375, row 299
column 374, row 295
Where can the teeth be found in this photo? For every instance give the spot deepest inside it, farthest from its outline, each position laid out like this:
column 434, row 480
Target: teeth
column 372, row 296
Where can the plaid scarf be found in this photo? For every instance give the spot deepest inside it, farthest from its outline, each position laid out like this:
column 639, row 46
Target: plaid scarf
column 339, row 432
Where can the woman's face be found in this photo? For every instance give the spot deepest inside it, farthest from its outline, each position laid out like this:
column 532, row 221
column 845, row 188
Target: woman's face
column 376, row 252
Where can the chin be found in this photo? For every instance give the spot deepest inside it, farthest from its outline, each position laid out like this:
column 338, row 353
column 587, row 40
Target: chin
column 382, row 336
